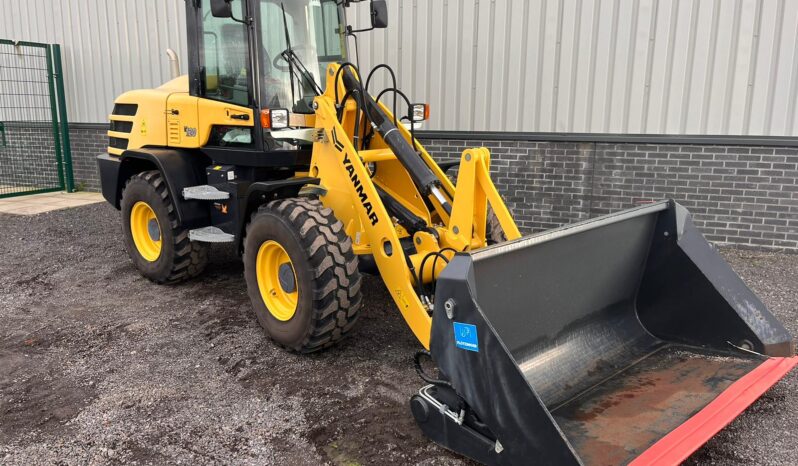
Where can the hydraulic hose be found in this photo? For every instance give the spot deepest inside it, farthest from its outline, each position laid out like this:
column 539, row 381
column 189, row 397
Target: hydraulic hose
column 423, row 177
column 423, row 375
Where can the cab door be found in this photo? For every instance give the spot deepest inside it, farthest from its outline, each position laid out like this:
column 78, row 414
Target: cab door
column 221, row 75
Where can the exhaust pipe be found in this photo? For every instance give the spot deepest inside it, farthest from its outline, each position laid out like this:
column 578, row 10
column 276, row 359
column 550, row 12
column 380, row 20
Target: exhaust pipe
column 174, row 63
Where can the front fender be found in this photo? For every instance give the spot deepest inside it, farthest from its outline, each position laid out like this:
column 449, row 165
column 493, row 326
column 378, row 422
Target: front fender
column 263, row 192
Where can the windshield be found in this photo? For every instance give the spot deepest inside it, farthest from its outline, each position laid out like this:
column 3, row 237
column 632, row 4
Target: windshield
column 315, row 31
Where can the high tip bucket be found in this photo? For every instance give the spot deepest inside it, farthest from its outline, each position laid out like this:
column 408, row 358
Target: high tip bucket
column 597, row 343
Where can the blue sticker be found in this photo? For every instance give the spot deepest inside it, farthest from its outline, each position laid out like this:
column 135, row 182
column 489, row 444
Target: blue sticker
column 465, row 336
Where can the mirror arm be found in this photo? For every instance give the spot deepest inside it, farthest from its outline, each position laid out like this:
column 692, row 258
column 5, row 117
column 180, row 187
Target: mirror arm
column 351, row 32
column 246, row 22
column 374, row 15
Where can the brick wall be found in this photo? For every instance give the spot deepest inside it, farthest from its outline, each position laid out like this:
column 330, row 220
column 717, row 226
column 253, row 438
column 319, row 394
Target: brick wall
column 87, row 141
column 27, row 158
column 746, row 196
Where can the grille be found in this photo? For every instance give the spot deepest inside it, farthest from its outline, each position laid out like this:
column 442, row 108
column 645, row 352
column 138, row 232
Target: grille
column 125, row 109
column 118, row 143
column 122, row 126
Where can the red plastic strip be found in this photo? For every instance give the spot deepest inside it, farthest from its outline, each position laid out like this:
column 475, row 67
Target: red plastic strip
column 681, row 442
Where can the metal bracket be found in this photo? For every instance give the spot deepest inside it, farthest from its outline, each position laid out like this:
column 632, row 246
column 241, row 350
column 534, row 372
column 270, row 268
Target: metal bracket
column 306, row 134
column 456, row 417
column 320, row 136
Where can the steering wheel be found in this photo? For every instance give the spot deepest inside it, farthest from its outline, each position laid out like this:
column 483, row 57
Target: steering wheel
column 279, row 59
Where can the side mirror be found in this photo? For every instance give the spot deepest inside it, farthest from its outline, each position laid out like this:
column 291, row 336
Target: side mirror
column 221, row 9
column 379, row 14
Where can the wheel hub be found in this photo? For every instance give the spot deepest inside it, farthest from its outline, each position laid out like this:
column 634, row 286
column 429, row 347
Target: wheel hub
column 286, row 277
column 276, row 280
column 154, row 230
column 146, row 231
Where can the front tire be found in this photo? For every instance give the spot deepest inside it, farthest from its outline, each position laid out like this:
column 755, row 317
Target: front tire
column 302, row 274
column 157, row 245
column 493, row 231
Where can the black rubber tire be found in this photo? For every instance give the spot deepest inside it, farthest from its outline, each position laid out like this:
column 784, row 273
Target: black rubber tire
column 493, row 231
column 326, row 268
column 180, row 258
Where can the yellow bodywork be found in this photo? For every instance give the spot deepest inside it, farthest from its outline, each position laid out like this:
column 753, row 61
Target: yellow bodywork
column 169, row 116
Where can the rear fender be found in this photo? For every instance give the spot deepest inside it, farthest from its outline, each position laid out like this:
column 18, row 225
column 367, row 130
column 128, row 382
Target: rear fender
column 180, row 169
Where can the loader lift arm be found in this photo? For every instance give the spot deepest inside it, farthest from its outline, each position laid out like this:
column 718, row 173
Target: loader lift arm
column 459, row 225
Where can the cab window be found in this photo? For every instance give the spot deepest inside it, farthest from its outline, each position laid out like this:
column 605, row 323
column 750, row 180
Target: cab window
column 316, row 34
column 224, row 56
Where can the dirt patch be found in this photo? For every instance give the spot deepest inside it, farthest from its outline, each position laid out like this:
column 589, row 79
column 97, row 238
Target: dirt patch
column 36, row 394
column 98, row 365
column 342, row 441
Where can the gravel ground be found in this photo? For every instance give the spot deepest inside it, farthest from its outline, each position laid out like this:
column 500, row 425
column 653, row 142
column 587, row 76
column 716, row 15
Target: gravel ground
column 98, row 365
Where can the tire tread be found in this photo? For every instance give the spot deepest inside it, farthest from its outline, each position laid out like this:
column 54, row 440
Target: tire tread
column 190, row 258
column 336, row 288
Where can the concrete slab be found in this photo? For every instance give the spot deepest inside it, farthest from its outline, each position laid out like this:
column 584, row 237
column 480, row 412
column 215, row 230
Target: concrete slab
column 47, row 202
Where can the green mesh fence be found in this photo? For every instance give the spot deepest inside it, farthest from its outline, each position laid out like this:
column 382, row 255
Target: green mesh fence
column 34, row 141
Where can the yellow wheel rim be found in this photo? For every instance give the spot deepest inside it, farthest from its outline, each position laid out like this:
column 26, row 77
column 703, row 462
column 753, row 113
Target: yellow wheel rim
column 276, row 280
column 146, row 231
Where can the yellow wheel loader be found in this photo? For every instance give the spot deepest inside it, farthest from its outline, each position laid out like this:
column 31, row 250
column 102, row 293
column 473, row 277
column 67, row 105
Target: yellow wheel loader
column 624, row 339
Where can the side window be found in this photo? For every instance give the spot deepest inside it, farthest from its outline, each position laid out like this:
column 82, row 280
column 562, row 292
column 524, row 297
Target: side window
column 225, row 55
column 276, row 91
column 328, row 40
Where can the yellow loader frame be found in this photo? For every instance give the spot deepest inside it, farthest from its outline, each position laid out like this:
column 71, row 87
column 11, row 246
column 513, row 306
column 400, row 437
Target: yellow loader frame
column 350, row 189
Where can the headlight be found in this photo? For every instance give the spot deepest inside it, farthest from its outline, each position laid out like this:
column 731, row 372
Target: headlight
column 276, row 118
column 279, row 118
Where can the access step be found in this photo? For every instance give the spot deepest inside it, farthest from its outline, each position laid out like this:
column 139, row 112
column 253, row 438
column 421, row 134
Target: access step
column 204, row 193
column 210, row 235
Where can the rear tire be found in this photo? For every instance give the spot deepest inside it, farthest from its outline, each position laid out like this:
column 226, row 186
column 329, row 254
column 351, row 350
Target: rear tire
column 320, row 305
column 160, row 250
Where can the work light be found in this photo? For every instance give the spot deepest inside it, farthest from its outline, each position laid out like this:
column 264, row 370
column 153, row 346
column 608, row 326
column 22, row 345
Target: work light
column 419, row 112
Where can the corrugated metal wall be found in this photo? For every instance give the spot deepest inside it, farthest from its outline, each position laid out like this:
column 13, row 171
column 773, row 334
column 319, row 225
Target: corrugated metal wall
column 619, row 66
column 598, row 66
column 109, row 46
